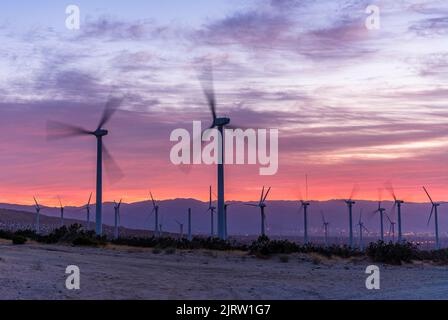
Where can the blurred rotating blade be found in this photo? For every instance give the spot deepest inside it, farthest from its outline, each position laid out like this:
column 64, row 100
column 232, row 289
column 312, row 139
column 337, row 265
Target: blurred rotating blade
column 206, row 80
column 111, row 107
column 113, row 170
column 59, row 130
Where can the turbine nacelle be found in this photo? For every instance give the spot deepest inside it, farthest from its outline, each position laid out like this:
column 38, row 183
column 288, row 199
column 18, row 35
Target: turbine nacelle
column 100, row 133
column 221, row 122
column 350, row 202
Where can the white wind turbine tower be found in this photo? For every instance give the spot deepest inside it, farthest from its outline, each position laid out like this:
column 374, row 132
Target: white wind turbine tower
column 391, row 228
column 190, row 236
column 381, row 211
column 62, row 211
column 361, row 229
column 37, row 206
column 87, row 207
column 220, row 123
column 155, row 210
column 397, row 205
column 304, row 204
column 325, row 225
column 349, row 202
column 181, row 229
column 262, row 205
column 117, row 218
column 211, row 209
column 435, row 205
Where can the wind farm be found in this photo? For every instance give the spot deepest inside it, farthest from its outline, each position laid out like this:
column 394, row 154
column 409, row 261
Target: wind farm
column 192, row 131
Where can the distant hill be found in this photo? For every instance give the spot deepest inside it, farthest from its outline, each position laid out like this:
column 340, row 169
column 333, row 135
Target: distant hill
column 283, row 217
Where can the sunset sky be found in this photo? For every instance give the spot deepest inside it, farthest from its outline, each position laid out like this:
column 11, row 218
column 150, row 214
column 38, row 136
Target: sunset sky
column 352, row 105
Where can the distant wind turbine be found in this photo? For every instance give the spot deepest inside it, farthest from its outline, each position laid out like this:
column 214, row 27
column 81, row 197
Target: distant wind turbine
column 87, row 207
column 181, row 229
column 155, row 210
column 381, row 211
column 391, row 228
column 262, row 205
column 211, row 209
column 62, row 211
column 435, row 205
column 361, row 229
column 325, row 225
column 37, row 206
column 58, row 130
column 349, row 202
column 304, row 204
column 117, row 218
column 190, row 237
column 397, row 205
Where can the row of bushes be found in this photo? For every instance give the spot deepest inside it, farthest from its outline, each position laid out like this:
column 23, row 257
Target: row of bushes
column 391, row 253
column 73, row 234
column 264, row 247
column 396, row 253
column 167, row 242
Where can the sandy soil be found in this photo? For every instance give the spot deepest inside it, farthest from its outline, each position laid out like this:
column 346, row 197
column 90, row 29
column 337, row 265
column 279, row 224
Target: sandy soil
column 35, row 271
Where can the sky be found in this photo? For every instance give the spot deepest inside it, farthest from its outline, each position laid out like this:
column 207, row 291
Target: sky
column 353, row 106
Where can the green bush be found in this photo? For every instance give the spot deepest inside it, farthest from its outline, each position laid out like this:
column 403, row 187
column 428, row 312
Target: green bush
column 18, row 240
column 392, row 253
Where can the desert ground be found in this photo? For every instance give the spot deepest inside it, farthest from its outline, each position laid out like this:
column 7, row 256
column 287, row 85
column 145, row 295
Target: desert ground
column 36, row 271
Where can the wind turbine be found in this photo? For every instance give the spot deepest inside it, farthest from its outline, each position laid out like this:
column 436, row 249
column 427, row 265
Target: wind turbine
column 262, row 205
column 435, row 205
column 304, row 206
column 397, row 204
column 58, row 130
column 155, row 210
column 190, row 237
column 211, row 209
column 361, row 229
column 220, row 124
column 325, row 225
column 87, row 207
column 117, row 217
column 381, row 211
column 37, row 206
column 181, row 229
column 349, row 202
column 391, row 228
column 62, row 211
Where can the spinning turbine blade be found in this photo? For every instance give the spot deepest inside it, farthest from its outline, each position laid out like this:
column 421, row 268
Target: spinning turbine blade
column 262, row 194
column 209, row 91
column 354, row 191
column 113, row 170
column 152, row 199
column 427, row 193
column 59, row 130
column 90, row 198
column 35, row 201
column 266, row 195
column 391, row 190
column 111, row 107
column 430, row 215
